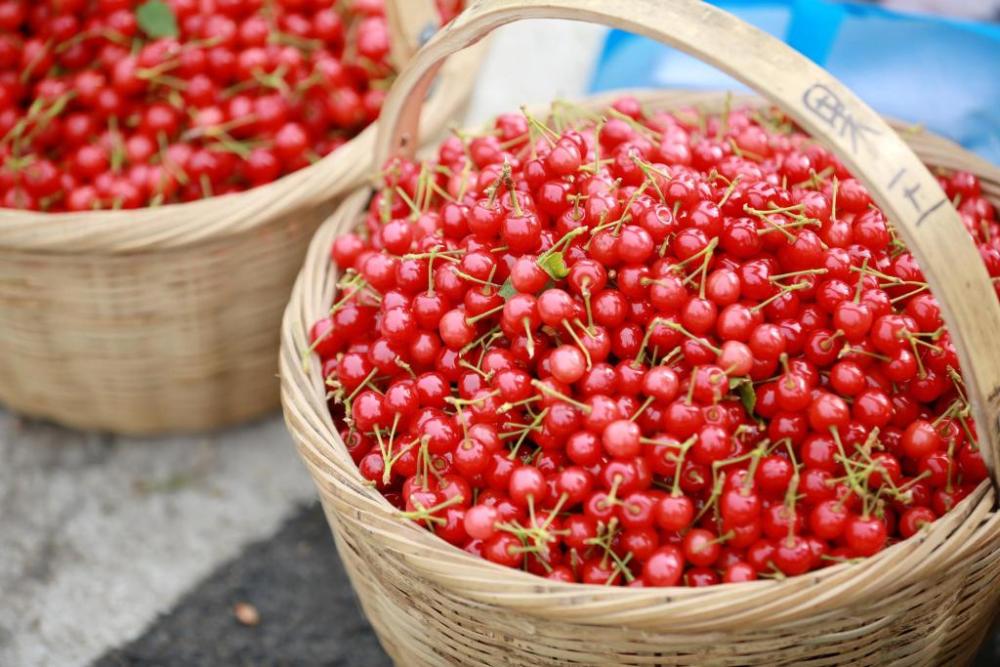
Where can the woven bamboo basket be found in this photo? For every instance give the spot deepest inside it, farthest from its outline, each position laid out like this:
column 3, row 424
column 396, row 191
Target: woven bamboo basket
column 166, row 319
column 926, row 601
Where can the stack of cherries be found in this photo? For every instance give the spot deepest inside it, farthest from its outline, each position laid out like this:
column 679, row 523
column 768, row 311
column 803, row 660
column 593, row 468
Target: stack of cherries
column 109, row 104
column 648, row 348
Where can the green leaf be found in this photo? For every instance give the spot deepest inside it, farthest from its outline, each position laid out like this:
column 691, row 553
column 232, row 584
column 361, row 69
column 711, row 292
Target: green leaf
column 747, row 394
column 507, row 290
column 554, row 264
column 156, row 19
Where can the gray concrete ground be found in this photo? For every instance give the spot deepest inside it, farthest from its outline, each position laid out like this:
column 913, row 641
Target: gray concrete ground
column 306, row 609
column 99, row 534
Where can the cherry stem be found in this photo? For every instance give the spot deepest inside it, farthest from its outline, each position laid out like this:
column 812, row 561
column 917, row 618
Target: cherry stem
column 386, row 450
column 722, row 129
column 959, row 384
column 677, row 326
column 713, row 499
column 612, row 498
column 579, row 343
column 546, row 389
column 856, row 476
column 364, row 383
column 406, row 367
column 907, row 295
column 540, row 126
column 649, row 171
column 427, row 513
column 435, row 253
column 642, row 408
column 679, row 463
column 774, row 297
column 888, row 281
column 495, row 331
column 816, row 179
column 634, row 124
column 512, row 190
column 803, row 272
column 531, row 338
column 564, row 240
column 848, row 350
column 709, row 248
column 507, row 407
column 626, row 210
column 484, row 315
column 861, row 281
column 833, row 198
column 730, row 189
column 524, row 433
column 755, row 457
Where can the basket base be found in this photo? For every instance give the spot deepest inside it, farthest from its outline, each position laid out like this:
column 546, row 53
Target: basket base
column 421, row 623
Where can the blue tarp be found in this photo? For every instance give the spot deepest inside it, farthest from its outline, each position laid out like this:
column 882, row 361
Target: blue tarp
column 942, row 73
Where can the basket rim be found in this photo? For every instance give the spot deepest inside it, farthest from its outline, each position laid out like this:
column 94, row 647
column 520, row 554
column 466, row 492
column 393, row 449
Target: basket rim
column 206, row 220
column 932, row 553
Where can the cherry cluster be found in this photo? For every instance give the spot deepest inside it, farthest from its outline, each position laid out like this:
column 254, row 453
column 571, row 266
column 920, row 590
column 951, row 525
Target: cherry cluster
column 110, row 104
column 648, row 348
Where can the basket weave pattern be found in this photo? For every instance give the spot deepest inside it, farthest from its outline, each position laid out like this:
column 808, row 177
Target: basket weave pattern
column 166, row 319
column 925, row 601
column 173, row 339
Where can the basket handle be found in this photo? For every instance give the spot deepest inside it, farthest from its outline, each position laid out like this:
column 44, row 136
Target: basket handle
column 411, row 23
column 900, row 184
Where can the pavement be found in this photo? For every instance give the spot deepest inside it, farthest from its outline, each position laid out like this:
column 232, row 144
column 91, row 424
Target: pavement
column 100, row 534
column 209, row 550
column 294, row 583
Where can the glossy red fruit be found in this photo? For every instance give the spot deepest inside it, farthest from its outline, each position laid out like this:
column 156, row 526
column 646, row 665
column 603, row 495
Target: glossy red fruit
column 865, row 536
column 725, row 356
column 664, row 567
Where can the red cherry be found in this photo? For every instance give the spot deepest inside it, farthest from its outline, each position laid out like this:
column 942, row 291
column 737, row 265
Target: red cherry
column 792, row 555
column 701, row 547
column 920, row 440
column 865, row 536
column 527, row 485
column 914, row 519
column 621, row 439
column 615, row 364
column 828, row 411
column 504, row 549
column 480, row 521
column 674, row 513
column 664, row 567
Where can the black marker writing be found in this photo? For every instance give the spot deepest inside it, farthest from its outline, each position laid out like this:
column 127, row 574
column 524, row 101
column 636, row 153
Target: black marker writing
column 910, row 191
column 829, row 108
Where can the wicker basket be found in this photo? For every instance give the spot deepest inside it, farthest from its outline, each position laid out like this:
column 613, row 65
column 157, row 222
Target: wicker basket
column 925, row 601
column 166, row 319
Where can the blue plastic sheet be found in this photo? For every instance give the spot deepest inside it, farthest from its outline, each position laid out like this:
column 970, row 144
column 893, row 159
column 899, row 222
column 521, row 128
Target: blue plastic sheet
column 941, row 73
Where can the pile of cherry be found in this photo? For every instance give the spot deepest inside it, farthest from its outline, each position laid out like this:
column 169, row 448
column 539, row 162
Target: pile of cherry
column 648, row 349
column 117, row 104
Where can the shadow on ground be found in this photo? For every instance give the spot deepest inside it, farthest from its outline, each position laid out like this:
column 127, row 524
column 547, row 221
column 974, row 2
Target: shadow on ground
column 308, row 612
